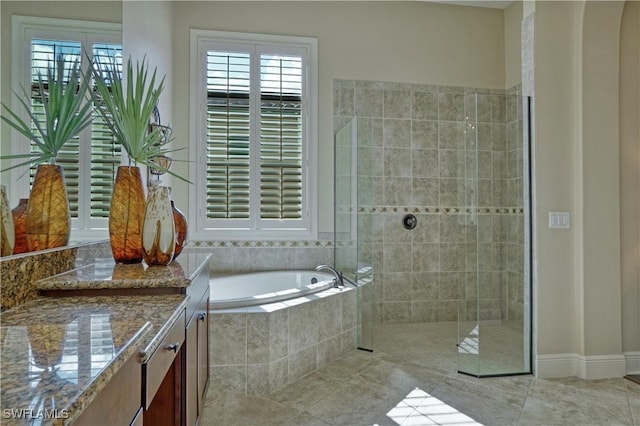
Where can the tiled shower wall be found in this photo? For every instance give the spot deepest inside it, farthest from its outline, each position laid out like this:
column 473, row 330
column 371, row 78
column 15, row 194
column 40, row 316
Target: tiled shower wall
column 417, row 154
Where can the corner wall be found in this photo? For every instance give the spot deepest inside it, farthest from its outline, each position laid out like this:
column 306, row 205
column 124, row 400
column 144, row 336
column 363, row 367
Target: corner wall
column 578, row 293
column 630, row 183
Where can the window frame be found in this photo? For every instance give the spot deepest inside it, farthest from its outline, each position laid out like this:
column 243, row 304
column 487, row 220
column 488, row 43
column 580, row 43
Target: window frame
column 24, row 30
column 256, row 228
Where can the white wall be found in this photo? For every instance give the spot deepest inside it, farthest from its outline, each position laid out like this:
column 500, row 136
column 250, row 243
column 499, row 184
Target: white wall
column 146, row 35
column 630, row 181
column 554, row 151
column 512, row 58
column 412, row 42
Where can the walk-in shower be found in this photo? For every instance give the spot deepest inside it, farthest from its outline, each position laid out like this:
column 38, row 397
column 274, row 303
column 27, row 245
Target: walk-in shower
column 431, row 217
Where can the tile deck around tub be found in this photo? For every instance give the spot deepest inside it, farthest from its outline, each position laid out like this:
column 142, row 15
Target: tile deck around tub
column 260, row 349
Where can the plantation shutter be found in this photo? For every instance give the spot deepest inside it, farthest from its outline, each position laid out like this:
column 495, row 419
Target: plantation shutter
column 228, row 131
column 43, row 53
column 280, row 137
column 90, row 160
column 105, row 152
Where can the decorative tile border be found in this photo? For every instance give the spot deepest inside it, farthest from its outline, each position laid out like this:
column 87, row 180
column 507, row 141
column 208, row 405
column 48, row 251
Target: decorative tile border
column 259, row 244
column 436, row 210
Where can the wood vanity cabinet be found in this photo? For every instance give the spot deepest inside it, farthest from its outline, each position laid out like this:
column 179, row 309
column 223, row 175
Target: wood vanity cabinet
column 196, row 361
column 162, row 379
column 123, row 392
column 170, row 387
column 174, row 387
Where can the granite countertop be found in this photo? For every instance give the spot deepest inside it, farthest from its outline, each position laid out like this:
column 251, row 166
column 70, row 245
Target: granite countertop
column 58, row 354
column 106, row 274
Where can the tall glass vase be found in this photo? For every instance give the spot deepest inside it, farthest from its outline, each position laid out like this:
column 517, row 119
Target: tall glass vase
column 48, row 218
column 7, row 235
column 158, row 230
column 127, row 215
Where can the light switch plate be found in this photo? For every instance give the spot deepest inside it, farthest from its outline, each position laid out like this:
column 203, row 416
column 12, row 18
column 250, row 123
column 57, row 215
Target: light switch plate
column 559, row 220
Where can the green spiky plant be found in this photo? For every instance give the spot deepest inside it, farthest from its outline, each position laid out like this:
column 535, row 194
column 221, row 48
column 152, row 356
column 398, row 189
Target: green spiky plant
column 67, row 112
column 127, row 111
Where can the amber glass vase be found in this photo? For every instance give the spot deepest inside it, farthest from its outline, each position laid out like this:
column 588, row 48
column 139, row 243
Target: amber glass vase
column 180, row 223
column 7, row 235
column 20, row 225
column 158, row 230
column 48, row 222
column 127, row 215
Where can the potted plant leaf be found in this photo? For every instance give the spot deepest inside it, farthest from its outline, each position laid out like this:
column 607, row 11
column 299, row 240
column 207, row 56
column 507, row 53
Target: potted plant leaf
column 65, row 112
column 127, row 112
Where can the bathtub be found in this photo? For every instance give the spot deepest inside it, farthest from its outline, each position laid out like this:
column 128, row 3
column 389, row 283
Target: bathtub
column 269, row 329
column 261, row 288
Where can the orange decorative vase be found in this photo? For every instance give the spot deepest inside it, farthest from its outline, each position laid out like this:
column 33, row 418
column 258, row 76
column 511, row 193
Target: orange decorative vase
column 180, row 222
column 158, row 230
column 20, row 225
column 7, row 235
column 48, row 221
column 127, row 215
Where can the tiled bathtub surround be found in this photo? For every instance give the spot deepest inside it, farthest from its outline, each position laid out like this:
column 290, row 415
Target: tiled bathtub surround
column 252, row 256
column 259, row 350
column 417, row 154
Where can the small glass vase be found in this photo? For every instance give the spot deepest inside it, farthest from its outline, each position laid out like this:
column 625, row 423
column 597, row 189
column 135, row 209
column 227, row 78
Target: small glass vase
column 158, row 229
column 180, row 223
column 7, row 233
column 20, row 225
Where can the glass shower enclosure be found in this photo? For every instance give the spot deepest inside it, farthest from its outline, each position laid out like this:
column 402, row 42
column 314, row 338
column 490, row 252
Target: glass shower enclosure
column 487, row 223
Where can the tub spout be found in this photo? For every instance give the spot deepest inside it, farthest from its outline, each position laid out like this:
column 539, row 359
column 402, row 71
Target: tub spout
column 338, row 281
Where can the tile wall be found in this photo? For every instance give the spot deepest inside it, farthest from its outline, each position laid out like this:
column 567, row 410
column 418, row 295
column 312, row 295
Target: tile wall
column 258, row 351
column 417, row 154
column 251, row 256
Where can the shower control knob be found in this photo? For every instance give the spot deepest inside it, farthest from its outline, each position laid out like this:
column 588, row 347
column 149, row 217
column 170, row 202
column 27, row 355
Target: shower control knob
column 409, row 221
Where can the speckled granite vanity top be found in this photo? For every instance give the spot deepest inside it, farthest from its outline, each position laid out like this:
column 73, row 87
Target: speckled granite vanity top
column 58, row 354
column 106, row 274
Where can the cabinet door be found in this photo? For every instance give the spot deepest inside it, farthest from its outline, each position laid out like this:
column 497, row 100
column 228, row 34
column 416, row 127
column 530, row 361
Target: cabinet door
column 203, row 351
column 191, row 372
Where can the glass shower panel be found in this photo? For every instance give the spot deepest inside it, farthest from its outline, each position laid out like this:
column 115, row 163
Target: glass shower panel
column 346, row 192
column 353, row 221
column 494, row 330
column 366, row 155
column 468, row 218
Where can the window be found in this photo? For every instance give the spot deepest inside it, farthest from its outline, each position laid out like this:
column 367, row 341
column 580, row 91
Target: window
column 254, row 122
column 90, row 160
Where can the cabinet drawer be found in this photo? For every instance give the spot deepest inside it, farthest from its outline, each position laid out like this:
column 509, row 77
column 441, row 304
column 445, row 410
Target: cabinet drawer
column 154, row 371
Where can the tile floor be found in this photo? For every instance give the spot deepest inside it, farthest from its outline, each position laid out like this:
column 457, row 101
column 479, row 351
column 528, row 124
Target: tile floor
column 412, row 379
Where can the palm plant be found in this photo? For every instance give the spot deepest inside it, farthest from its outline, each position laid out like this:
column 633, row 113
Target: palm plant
column 127, row 111
column 66, row 112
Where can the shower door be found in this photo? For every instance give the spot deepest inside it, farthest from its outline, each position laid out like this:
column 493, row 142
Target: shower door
column 494, row 323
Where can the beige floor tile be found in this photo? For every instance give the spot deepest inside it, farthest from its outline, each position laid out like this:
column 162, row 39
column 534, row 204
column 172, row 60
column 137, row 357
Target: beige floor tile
column 412, row 379
column 575, row 401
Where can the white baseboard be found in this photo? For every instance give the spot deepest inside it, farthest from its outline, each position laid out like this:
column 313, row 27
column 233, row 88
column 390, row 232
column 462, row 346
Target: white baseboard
column 584, row 367
column 633, row 362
